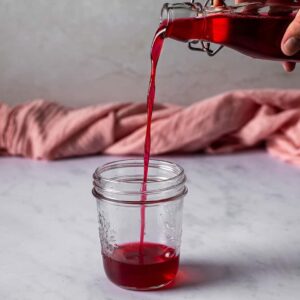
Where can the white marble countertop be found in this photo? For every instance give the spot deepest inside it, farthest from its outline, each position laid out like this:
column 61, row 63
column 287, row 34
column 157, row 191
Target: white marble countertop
column 241, row 235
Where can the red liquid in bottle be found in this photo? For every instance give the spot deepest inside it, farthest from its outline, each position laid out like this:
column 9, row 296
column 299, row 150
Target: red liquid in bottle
column 160, row 265
column 258, row 36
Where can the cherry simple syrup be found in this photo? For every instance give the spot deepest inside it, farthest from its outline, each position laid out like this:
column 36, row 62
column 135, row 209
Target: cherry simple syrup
column 160, row 265
column 144, row 265
column 156, row 48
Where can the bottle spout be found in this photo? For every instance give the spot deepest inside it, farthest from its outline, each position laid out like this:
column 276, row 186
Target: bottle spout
column 172, row 11
column 179, row 19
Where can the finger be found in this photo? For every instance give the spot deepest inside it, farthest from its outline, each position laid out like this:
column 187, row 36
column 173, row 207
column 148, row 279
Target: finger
column 290, row 43
column 289, row 66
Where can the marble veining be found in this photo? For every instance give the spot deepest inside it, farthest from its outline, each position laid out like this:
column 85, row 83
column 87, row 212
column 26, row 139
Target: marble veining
column 240, row 230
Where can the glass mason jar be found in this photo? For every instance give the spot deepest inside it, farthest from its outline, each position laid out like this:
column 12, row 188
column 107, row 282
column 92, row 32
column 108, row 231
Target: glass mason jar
column 140, row 232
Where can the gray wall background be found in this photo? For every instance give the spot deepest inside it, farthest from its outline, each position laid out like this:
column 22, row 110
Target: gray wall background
column 81, row 52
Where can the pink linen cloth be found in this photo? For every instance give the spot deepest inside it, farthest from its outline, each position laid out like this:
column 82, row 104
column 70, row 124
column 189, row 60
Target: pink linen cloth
column 224, row 123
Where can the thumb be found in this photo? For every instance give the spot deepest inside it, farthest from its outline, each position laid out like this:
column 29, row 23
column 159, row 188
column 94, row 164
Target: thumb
column 290, row 43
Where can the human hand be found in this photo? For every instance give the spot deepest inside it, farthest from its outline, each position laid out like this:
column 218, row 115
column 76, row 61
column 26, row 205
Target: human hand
column 290, row 43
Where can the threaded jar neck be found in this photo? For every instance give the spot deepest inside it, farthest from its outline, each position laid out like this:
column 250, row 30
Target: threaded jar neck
column 122, row 181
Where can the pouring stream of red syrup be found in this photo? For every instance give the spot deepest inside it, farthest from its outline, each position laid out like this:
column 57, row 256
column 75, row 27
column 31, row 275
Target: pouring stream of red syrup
column 156, row 49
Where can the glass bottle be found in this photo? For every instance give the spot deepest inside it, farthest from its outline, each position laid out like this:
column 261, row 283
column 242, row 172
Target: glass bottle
column 252, row 28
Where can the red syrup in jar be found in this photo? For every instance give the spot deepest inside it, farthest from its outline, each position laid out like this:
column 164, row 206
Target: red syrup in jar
column 123, row 266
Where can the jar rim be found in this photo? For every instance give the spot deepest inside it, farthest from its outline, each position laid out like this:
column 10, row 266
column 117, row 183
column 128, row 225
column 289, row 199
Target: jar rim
column 140, row 202
column 132, row 162
column 105, row 186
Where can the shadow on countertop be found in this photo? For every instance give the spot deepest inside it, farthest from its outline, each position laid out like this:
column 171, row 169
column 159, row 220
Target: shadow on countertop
column 195, row 274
